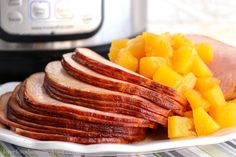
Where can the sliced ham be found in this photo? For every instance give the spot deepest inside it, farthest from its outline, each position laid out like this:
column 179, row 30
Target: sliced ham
column 223, row 64
column 61, row 134
column 73, row 102
column 18, row 114
column 56, row 137
column 12, row 121
column 56, row 78
column 84, row 74
column 36, row 95
column 107, row 106
column 99, row 64
column 50, row 133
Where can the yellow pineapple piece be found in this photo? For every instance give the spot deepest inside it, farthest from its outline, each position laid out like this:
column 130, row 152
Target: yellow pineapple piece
column 206, row 83
column 225, row 115
column 179, row 40
column 215, row 96
column 155, row 45
column 166, row 76
column 182, row 59
column 116, row 46
column 188, row 82
column 136, row 47
column 200, row 69
column 205, row 51
column 127, row 60
column 179, row 127
column 149, row 65
column 196, row 100
column 204, row 123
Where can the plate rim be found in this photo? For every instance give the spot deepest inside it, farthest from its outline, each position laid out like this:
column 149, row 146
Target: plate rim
column 8, row 136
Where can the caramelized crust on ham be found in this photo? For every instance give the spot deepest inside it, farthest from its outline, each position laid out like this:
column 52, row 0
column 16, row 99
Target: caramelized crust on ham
column 36, row 95
column 107, row 106
column 95, row 62
column 84, row 74
column 57, row 78
column 20, row 118
column 74, row 139
column 43, row 132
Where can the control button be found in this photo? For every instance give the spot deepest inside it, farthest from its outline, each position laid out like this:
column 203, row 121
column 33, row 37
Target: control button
column 14, row 3
column 15, row 17
column 64, row 9
column 40, row 10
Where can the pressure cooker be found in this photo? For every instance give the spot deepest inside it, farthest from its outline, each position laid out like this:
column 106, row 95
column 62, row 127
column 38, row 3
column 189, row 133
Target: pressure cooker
column 34, row 32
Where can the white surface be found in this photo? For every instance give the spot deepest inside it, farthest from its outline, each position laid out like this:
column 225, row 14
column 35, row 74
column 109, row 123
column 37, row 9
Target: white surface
column 11, row 137
column 214, row 18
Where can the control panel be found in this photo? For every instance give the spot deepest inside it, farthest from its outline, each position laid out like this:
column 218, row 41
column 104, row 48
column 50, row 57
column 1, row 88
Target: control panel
column 46, row 17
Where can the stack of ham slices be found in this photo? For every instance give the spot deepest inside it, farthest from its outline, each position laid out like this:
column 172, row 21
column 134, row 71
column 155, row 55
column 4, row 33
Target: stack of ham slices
column 86, row 99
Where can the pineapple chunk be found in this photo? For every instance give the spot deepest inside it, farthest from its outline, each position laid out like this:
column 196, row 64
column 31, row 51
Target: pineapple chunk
column 200, row 69
column 203, row 122
column 196, row 100
column 215, row 96
column 180, row 127
column 127, row 60
column 206, row 83
column 166, row 76
column 149, row 65
column 188, row 82
column 182, row 59
column 155, row 45
column 116, row 46
column 136, row 47
column 179, row 40
column 205, row 51
column 225, row 115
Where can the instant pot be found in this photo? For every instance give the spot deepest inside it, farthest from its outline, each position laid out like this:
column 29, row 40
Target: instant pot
column 34, row 32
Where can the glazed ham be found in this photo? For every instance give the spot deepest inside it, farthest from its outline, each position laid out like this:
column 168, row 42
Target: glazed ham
column 36, row 95
column 38, row 131
column 95, row 62
column 83, row 73
column 223, row 64
column 87, row 99
column 57, row 77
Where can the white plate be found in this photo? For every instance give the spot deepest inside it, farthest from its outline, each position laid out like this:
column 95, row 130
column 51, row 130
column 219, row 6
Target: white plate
column 145, row 146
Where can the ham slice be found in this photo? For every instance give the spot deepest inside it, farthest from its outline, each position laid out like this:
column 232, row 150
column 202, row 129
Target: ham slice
column 46, row 132
column 97, row 63
column 56, row 137
column 57, row 78
column 36, row 95
column 84, row 74
column 15, row 122
column 223, row 64
column 44, row 124
column 113, row 107
column 36, row 114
